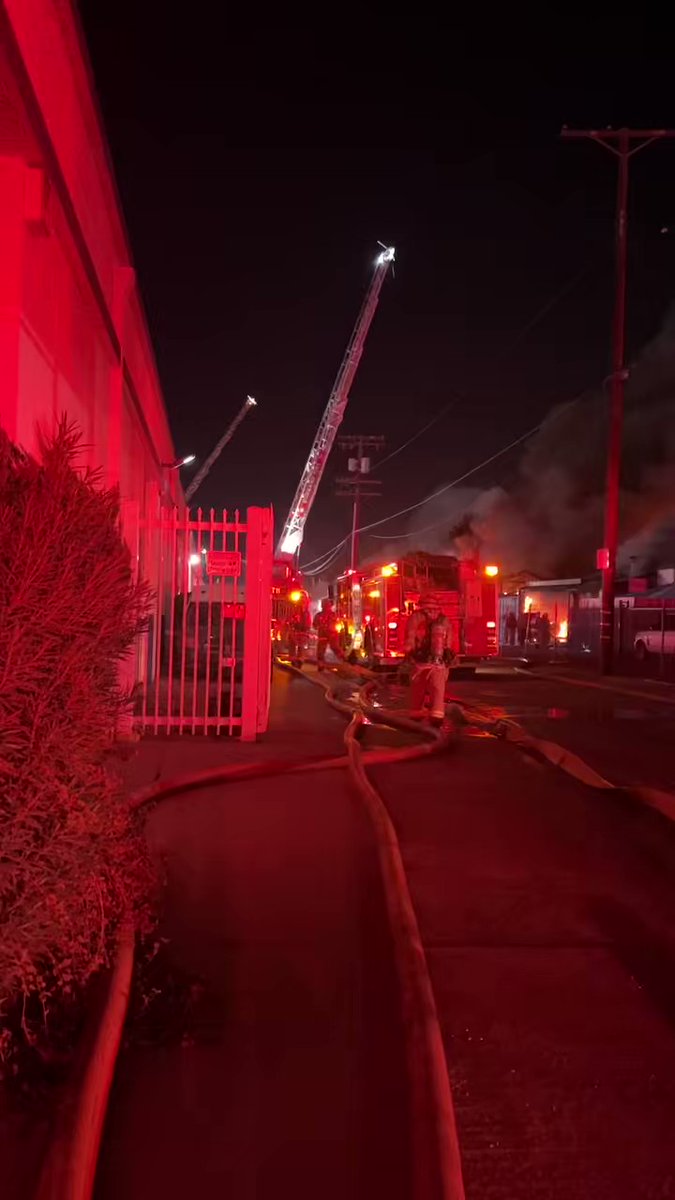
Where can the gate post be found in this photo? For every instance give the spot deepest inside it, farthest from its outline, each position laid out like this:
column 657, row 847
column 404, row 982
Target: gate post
column 255, row 704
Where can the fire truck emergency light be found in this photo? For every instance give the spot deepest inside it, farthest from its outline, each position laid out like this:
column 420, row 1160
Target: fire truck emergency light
column 295, row 597
column 491, row 571
column 390, row 569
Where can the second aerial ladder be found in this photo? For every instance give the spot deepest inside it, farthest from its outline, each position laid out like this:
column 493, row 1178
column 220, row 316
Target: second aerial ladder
column 294, row 527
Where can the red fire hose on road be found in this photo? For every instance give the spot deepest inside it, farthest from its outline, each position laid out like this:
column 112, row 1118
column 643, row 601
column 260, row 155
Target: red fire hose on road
column 70, row 1166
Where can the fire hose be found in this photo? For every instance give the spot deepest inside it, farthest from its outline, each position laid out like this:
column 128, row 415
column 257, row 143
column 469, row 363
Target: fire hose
column 70, row 1165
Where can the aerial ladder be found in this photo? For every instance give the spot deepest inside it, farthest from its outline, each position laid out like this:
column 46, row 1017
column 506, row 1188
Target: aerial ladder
column 294, row 527
column 220, row 445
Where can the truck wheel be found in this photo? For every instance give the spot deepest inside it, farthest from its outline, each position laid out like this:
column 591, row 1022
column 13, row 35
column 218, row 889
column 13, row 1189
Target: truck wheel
column 641, row 652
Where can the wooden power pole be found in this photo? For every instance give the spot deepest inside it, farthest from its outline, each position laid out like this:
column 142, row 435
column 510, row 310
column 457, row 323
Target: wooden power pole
column 624, row 143
column 358, row 484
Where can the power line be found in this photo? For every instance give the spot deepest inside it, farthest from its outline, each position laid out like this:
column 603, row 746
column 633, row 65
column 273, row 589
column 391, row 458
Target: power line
column 401, row 512
column 415, row 532
column 325, row 559
column 568, row 286
column 419, row 433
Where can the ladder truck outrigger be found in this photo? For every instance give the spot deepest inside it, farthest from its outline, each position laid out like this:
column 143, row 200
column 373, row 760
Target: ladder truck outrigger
column 290, row 601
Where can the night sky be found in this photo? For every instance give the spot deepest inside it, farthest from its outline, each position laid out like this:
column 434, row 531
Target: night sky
column 259, row 167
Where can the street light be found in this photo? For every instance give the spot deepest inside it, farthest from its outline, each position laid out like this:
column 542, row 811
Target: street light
column 179, row 462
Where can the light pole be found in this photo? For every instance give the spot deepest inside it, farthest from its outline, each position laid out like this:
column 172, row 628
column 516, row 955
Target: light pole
column 178, row 463
column 621, row 143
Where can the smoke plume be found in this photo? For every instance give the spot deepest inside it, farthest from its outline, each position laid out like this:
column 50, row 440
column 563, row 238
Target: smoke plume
column 549, row 521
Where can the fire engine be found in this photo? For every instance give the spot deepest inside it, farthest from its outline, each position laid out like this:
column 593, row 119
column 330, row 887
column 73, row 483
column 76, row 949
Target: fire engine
column 373, row 606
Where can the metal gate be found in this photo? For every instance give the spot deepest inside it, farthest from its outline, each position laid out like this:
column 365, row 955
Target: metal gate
column 203, row 665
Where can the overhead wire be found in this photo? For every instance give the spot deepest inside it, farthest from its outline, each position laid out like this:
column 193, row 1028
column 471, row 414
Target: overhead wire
column 402, row 511
column 318, row 566
column 460, row 479
column 328, row 558
column 568, row 286
column 415, row 532
column 419, row 433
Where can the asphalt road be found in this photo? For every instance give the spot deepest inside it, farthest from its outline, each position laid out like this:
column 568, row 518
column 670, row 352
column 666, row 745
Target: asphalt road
column 547, row 912
column 627, row 738
column 548, row 916
column 283, row 1073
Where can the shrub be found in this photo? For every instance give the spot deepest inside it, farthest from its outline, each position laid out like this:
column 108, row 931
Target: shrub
column 73, row 865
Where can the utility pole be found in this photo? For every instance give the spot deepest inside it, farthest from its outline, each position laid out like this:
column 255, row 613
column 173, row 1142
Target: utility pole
column 624, row 143
column 358, row 483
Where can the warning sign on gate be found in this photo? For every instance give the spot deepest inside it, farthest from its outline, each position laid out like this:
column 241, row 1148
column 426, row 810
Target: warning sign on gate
column 224, row 562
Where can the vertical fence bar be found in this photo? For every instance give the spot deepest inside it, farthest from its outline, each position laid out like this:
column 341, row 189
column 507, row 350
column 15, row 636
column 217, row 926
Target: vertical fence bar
column 158, row 617
column 146, row 678
column 146, row 637
column 235, row 631
column 221, row 637
column 186, row 600
column 173, row 534
column 209, row 624
column 197, row 604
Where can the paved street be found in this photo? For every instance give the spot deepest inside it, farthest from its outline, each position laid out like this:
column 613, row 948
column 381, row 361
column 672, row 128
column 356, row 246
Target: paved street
column 291, row 1080
column 547, row 913
column 628, row 738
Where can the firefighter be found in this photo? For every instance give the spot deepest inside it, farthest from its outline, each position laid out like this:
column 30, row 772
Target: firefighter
column 511, row 628
column 544, row 631
column 428, row 645
column 299, row 625
column 324, row 623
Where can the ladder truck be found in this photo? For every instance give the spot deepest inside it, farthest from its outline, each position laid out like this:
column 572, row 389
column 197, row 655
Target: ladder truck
column 290, row 601
column 294, row 527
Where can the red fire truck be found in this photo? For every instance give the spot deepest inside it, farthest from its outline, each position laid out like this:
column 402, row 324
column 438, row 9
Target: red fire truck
column 374, row 604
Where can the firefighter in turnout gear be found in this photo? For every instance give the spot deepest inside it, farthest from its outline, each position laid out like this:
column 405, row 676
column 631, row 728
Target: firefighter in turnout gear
column 298, row 628
column 428, row 638
column 327, row 635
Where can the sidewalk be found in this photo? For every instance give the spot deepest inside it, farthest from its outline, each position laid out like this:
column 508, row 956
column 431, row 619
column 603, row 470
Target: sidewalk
column 302, row 724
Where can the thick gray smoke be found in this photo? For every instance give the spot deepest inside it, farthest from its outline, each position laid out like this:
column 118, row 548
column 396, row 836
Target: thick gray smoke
column 550, row 519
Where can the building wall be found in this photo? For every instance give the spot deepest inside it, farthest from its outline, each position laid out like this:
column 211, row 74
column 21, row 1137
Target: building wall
column 73, row 335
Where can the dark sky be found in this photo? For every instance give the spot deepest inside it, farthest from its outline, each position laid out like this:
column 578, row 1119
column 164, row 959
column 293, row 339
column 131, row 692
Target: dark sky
column 258, row 165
